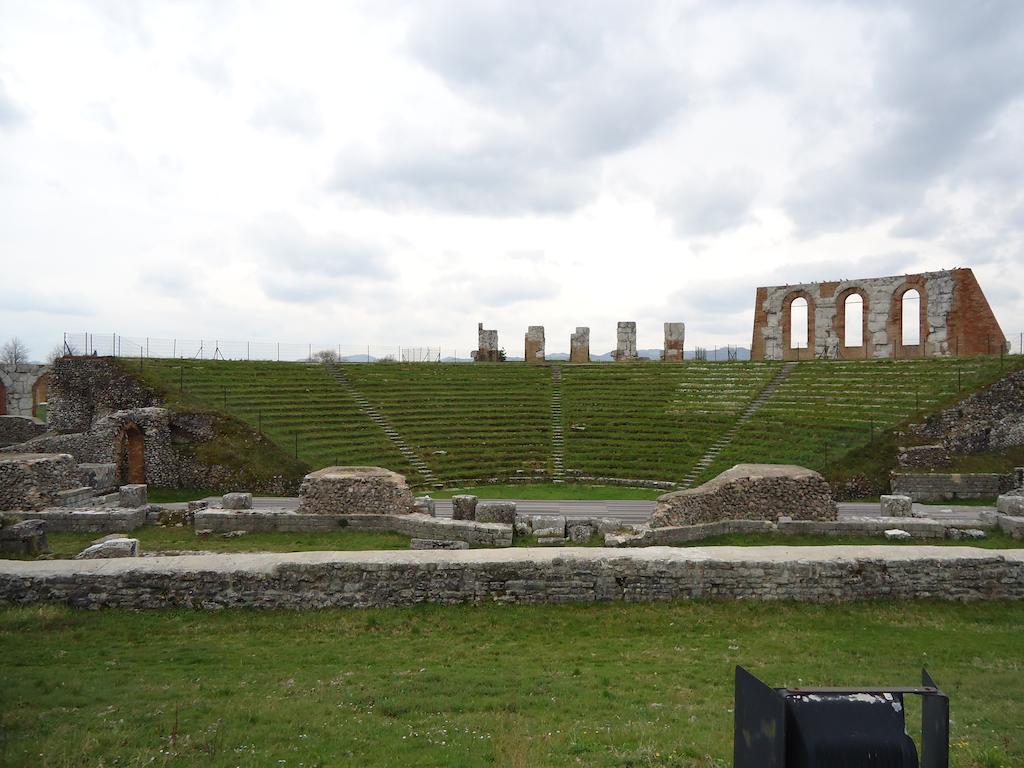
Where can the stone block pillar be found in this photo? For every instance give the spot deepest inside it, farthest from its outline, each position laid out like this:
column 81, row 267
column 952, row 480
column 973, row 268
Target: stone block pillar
column 487, row 345
column 675, row 339
column 579, row 346
column 625, row 346
column 534, row 344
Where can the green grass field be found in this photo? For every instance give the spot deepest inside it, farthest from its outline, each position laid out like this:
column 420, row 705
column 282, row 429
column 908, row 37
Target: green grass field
column 640, row 421
column 491, row 685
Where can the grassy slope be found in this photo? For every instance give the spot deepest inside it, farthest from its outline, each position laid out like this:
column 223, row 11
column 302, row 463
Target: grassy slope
column 640, row 420
column 602, row 685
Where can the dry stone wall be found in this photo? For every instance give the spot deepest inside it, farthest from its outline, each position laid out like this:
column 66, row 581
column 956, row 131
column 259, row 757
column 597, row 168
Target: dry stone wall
column 17, row 383
column 749, row 492
column 355, row 490
column 990, row 420
column 18, row 429
column 32, row 481
column 311, row 580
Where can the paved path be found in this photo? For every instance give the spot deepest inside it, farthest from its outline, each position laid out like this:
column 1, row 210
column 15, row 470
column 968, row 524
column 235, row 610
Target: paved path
column 634, row 511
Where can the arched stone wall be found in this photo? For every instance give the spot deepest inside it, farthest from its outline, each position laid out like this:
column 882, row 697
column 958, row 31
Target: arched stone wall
column 131, row 454
column 18, row 383
column 895, row 325
column 39, row 392
column 787, row 326
column 866, row 348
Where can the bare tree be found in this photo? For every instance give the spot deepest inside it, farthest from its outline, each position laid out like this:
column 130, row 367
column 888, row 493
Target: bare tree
column 325, row 356
column 55, row 354
column 14, row 352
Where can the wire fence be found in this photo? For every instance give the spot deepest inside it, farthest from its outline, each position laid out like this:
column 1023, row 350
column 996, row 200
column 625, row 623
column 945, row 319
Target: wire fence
column 116, row 345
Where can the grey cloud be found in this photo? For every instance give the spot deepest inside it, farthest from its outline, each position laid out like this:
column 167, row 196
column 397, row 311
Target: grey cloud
column 11, row 114
column 22, row 300
column 211, row 70
column 288, row 111
column 706, row 206
column 286, row 245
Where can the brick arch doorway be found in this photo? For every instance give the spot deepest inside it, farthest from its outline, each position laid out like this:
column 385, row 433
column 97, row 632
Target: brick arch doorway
column 131, row 454
column 39, row 392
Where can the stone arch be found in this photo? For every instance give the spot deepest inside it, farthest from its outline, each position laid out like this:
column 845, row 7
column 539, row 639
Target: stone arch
column 131, row 454
column 866, row 347
column 40, row 388
column 895, row 324
column 787, row 326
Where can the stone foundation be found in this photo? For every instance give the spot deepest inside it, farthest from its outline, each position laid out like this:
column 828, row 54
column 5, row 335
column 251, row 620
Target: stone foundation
column 949, row 487
column 86, row 520
column 35, row 480
column 354, row 491
column 749, row 492
column 313, row 580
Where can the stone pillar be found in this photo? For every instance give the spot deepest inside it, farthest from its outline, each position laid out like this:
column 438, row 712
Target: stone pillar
column 534, row 344
column 487, row 343
column 625, row 347
column 579, row 346
column 675, row 339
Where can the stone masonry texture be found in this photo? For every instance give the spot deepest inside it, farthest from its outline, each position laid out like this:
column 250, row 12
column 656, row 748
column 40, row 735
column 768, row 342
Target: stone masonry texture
column 22, row 388
column 354, row 490
column 675, row 342
column 749, row 492
column 625, row 341
column 313, row 580
column 948, row 487
column 35, row 480
column 955, row 318
column 989, row 420
column 534, row 344
column 579, row 345
column 487, row 346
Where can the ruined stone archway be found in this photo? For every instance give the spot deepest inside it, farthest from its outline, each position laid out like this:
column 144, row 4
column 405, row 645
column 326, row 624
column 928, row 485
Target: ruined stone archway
column 866, row 347
column 131, row 454
column 787, row 327
column 39, row 392
column 895, row 324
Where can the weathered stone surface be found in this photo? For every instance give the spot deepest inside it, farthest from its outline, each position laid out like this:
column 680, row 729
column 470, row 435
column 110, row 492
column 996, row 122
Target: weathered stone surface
column 101, row 477
column 1012, row 525
column 895, row 534
column 534, row 344
column 60, row 520
column 316, row 580
column 896, row 506
column 27, row 537
column 1010, row 504
column 110, row 548
column 925, row 456
column 580, row 533
column 934, row 486
column 35, row 480
column 536, row 523
column 966, row 533
column 18, row 429
column 989, row 420
column 424, row 505
column 749, row 492
column 487, row 346
column 236, row 501
column 579, row 345
column 355, row 490
column 134, row 495
column 22, row 388
column 955, row 318
column 464, row 507
column 625, row 341
column 675, row 342
column 496, row 512
column 195, row 506
column 437, row 544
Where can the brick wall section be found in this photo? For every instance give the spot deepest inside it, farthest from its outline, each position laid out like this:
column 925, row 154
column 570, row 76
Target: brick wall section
column 948, row 487
column 572, row 575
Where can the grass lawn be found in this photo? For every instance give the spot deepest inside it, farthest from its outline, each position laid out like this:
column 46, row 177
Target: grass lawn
column 565, row 491
column 491, row 685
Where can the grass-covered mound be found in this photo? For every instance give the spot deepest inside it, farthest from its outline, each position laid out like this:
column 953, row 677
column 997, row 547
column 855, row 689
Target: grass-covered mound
column 601, row 685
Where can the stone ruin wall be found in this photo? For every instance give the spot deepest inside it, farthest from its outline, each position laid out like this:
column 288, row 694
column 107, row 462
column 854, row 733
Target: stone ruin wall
column 675, row 342
column 955, row 318
column 487, row 346
column 534, row 344
column 625, row 341
column 22, row 388
column 579, row 346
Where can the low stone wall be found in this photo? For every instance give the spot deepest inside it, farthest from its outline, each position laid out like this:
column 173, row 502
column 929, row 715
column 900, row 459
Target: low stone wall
column 414, row 524
column 749, row 492
column 35, row 480
column 355, row 491
column 313, row 580
column 923, row 456
column 949, row 487
column 86, row 520
column 18, row 429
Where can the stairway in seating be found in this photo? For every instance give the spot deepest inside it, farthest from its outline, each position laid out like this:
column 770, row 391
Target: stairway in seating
column 557, row 435
column 723, row 441
column 366, row 407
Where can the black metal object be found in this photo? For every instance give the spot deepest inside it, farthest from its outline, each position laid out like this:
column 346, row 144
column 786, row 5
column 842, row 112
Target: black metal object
column 836, row 727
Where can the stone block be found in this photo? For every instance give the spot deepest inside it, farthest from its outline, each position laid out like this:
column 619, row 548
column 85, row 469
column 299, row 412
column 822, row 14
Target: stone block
column 27, row 537
column 894, row 505
column 354, row 490
column 110, row 548
column 464, row 507
column 35, row 480
column 580, row 533
column 1010, row 504
column 965, row 533
column 102, row 478
column 236, row 501
column 487, row 346
column 195, row 506
column 552, row 541
column 131, row 496
column 534, row 344
column 675, row 342
column 424, row 505
column 895, row 534
column 1011, row 525
column 496, row 512
column 548, row 522
column 579, row 346
column 625, row 341
column 437, row 544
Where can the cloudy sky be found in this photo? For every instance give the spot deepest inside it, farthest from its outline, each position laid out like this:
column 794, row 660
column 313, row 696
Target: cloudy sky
column 389, row 173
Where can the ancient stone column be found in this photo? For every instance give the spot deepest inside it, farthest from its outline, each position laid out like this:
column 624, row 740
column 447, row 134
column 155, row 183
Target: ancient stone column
column 675, row 337
column 579, row 346
column 534, row 344
column 487, row 343
column 625, row 347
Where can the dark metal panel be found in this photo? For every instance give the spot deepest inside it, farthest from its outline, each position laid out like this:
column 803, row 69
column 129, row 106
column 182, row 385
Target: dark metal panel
column 760, row 722
column 934, row 726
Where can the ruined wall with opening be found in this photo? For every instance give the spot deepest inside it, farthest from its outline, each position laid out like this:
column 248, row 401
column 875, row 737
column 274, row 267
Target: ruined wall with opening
column 23, row 388
column 952, row 317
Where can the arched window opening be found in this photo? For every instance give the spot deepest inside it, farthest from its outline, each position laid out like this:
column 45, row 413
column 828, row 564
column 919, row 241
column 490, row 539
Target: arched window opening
column 39, row 390
column 854, row 321
column 798, row 323
column 911, row 315
column 132, row 455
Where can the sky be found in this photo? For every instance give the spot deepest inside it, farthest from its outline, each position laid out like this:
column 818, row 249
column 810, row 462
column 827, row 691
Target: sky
column 384, row 173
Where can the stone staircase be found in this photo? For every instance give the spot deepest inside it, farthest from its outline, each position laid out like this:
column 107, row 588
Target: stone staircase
column 557, row 435
column 724, row 440
column 366, row 407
